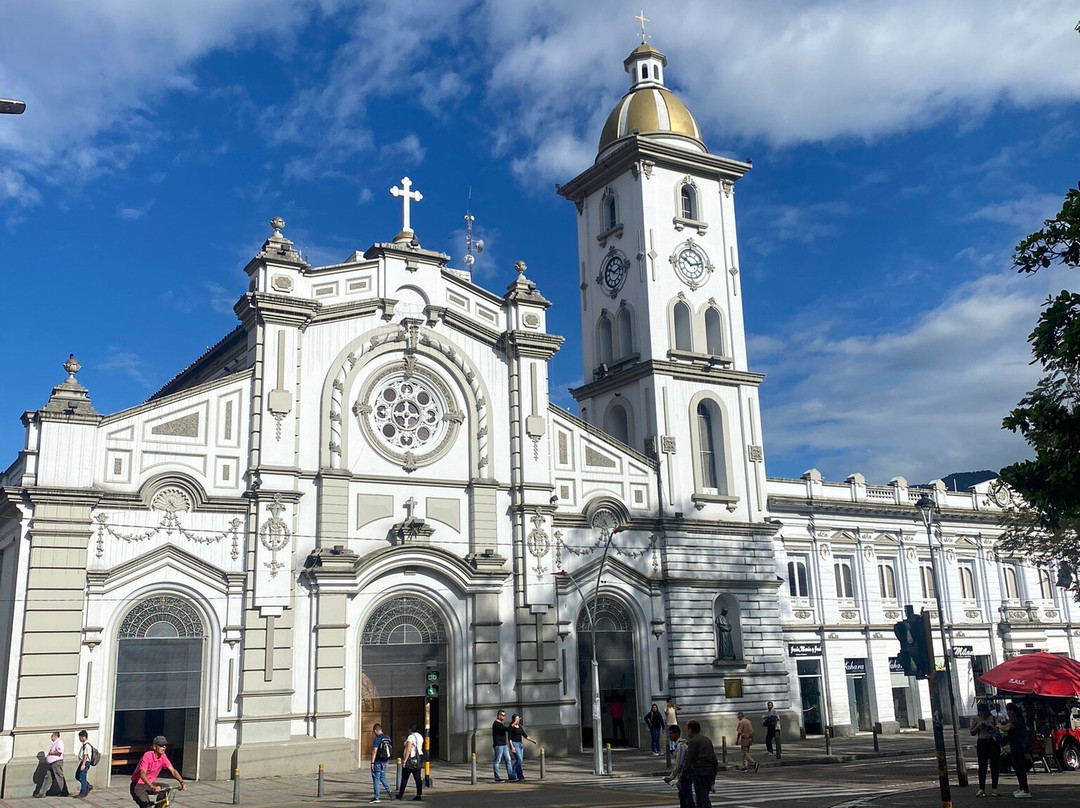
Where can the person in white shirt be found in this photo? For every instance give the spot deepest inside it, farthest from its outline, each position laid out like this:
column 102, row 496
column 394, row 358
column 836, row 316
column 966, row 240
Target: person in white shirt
column 54, row 759
column 412, row 762
column 82, row 770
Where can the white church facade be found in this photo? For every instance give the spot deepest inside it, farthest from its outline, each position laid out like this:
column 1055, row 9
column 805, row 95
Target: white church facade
column 364, row 491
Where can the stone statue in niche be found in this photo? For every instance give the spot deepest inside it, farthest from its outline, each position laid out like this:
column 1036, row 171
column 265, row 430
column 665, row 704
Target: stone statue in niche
column 725, row 645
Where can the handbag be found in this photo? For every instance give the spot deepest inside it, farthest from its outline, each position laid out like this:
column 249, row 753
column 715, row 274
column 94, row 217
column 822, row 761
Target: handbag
column 412, row 764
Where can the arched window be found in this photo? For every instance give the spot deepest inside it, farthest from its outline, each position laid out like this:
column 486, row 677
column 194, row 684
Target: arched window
column 604, row 339
column 611, row 214
column 887, row 580
column 626, row 333
column 404, row 621
column 1012, row 589
column 714, row 335
column 656, row 72
column 617, row 424
column 688, row 200
column 798, row 581
column 684, row 340
column 644, row 71
column 711, row 461
column 845, row 584
column 967, row 582
column 1046, row 587
column 926, row 581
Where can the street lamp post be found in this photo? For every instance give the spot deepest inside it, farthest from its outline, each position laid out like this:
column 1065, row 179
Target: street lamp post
column 926, row 508
column 11, row 106
column 598, row 752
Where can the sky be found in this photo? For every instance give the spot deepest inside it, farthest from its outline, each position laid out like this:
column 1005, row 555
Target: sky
column 900, row 152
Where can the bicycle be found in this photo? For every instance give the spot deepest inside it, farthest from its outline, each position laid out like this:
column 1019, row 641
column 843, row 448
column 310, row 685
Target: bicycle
column 166, row 796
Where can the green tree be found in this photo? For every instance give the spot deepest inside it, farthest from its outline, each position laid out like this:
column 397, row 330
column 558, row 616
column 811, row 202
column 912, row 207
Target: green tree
column 1044, row 525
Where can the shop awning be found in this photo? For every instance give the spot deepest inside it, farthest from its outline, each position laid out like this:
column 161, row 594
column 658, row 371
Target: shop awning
column 1039, row 674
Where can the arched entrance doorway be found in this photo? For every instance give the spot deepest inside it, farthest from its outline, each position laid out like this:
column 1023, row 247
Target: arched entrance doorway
column 159, row 676
column 618, row 678
column 403, row 647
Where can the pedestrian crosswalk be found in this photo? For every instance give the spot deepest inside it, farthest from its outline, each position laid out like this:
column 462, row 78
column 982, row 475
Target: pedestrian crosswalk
column 744, row 790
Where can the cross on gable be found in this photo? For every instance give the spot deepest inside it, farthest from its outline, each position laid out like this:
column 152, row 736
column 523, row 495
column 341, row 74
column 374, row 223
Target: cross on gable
column 410, row 506
column 406, row 195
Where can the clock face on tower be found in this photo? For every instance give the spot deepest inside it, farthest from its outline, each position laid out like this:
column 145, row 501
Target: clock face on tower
column 691, row 264
column 613, row 273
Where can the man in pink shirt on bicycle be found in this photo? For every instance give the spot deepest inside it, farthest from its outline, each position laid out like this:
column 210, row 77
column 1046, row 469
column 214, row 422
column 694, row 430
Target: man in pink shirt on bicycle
column 150, row 766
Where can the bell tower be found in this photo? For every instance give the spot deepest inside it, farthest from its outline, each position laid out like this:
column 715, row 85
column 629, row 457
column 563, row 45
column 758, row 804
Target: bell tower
column 663, row 343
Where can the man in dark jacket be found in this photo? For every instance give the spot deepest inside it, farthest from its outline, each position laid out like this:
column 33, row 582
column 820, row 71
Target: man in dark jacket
column 702, row 763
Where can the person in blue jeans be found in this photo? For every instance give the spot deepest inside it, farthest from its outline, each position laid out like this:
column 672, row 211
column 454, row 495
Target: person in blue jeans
column 516, row 733
column 501, row 748
column 82, row 770
column 654, row 720
column 381, row 751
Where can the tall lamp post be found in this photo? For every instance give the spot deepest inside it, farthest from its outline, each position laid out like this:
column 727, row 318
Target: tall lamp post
column 598, row 752
column 926, row 508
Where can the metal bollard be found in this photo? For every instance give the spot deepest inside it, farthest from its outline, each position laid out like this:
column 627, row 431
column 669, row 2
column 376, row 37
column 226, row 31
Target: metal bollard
column 397, row 776
column 607, row 755
column 472, row 774
column 236, row 787
column 828, row 740
column 876, row 749
column 723, row 749
column 320, row 780
column 543, row 763
column 779, row 742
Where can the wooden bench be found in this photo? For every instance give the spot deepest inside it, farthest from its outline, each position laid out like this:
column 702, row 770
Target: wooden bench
column 127, row 757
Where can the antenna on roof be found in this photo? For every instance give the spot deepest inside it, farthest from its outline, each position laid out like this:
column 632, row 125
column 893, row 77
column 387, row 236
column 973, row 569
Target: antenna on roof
column 471, row 245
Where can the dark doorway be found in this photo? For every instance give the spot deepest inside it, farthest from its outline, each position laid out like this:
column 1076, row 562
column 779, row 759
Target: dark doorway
column 403, row 643
column 617, row 667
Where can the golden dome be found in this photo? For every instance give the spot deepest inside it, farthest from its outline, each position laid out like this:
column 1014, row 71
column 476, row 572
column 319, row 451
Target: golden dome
column 650, row 110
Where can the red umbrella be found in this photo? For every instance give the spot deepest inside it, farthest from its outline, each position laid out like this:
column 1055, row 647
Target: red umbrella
column 1038, row 674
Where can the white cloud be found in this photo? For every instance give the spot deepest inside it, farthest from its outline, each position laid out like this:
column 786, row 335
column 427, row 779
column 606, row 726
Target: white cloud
column 548, row 72
column 1024, row 214
column 920, row 401
column 134, row 213
column 13, row 186
column 129, row 364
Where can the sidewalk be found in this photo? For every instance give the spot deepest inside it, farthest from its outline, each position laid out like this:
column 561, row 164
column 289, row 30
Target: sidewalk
column 350, row 788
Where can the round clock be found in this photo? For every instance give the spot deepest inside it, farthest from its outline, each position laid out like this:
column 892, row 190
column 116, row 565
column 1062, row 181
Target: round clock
column 614, row 272
column 691, row 263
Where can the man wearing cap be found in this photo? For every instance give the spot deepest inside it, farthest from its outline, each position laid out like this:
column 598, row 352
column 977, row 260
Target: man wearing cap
column 150, row 766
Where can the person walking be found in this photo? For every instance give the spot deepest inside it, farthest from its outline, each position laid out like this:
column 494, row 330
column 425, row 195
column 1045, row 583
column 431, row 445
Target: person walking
column 987, row 749
column 771, row 722
column 413, row 762
column 54, row 759
column 501, row 748
column 382, row 749
column 82, row 771
column 702, row 762
column 680, row 773
column 1016, row 726
column 654, row 720
column 744, row 736
column 517, row 735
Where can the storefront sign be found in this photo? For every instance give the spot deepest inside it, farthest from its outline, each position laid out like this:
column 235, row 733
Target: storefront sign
column 895, row 666
column 803, row 649
column 855, row 667
column 962, row 651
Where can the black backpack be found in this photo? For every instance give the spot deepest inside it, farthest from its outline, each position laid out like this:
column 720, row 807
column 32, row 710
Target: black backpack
column 385, row 750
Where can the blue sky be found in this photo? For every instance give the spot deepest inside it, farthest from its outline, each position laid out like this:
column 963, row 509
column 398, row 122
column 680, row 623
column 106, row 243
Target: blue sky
column 900, row 151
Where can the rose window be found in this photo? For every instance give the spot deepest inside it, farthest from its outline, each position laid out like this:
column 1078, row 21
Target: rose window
column 408, row 414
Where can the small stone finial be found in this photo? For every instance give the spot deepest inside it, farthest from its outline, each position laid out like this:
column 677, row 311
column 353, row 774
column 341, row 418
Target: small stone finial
column 72, row 366
column 521, row 266
column 278, row 224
